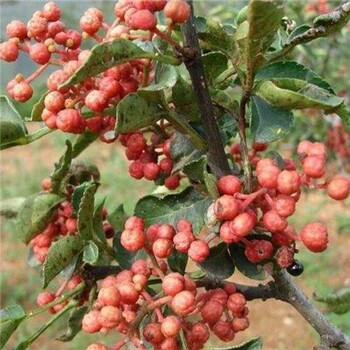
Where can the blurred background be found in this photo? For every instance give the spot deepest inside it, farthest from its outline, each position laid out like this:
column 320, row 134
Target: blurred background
column 23, row 168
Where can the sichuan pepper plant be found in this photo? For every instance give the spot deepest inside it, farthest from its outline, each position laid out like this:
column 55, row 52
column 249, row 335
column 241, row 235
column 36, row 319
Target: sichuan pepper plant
column 196, row 105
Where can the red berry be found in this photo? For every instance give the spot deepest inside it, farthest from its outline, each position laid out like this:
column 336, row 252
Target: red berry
column 315, row 237
column 109, row 317
column 94, row 124
column 288, row 182
column 171, row 326
column 45, row 298
column 338, row 188
column 226, row 207
column 314, row 166
column 109, row 87
column 166, row 165
column 258, row 146
column 258, row 250
column 273, row 222
column 240, row 324
column 284, row 205
column 177, row 10
column 8, row 51
column 151, row 171
column 140, row 267
column 173, row 283
column 56, row 79
column 242, row 225
column 37, row 26
column 318, row 149
column 223, row 330
column 109, row 296
column 22, row 92
column 51, row 11
column 183, row 240
column 54, row 101
column 90, row 322
column 166, row 231
column 268, row 175
column 183, row 303
column 132, row 240
column 200, row 332
column 16, row 29
column 172, row 182
column 96, row 101
column 153, row 334
column 303, row 147
column 70, row 120
column 229, row 184
column 236, row 303
column 162, row 247
column 198, row 251
column 90, row 23
column 54, row 28
column 136, row 169
column 129, row 294
column 264, row 162
column 142, row 19
column 134, row 222
column 284, row 257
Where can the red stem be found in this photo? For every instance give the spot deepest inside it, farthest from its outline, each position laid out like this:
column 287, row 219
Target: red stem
column 36, row 73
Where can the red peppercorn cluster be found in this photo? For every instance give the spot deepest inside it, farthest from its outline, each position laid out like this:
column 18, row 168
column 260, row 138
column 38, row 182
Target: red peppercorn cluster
column 266, row 209
column 161, row 240
column 123, row 301
column 150, row 160
column 47, row 40
column 64, row 222
column 316, row 7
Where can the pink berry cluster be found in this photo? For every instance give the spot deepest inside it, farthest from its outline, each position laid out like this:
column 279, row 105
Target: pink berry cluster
column 276, row 191
column 48, row 297
column 150, row 159
column 47, row 41
column 64, row 222
column 161, row 240
column 123, row 301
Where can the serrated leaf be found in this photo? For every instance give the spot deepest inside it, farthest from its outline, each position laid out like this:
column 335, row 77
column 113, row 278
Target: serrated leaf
column 78, row 195
column 61, row 169
column 242, row 263
column 269, row 123
column 177, row 261
column 91, row 253
column 219, row 262
column 185, row 100
column 86, row 212
column 10, row 319
column 117, row 218
column 111, row 53
column 12, row 126
column 35, row 214
column 253, row 344
column 195, row 169
column 338, row 302
column 295, row 94
column 124, row 257
column 38, row 108
column 255, row 35
column 60, row 254
column 214, row 35
column 187, row 205
column 134, row 112
column 98, row 223
column 74, row 323
column 215, row 63
column 291, row 70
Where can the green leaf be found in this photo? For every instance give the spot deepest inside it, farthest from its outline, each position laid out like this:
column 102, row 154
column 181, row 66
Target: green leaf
column 134, row 112
column 196, row 168
column 215, row 63
column 185, row 100
column 165, row 77
column 177, row 261
column 10, row 318
column 338, row 302
column 242, row 263
column 61, row 169
column 214, row 35
column 35, row 214
column 225, row 99
column 296, row 94
column 219, row 262
column 38, row 109
column 255, row 35
column 253, row 344
column 291, row 70
column 78, row 195
column 98, row 223
column 110, row 54
column 117, row 218
column 86, row 212
column 297, row 31
column 228, row 127
column 91, row 253
column 187, row 205
column 269, row 123
column 9, row 208
column 210, row 183
column 60, row 254
column 183, row 151
column 123, row 256
column 74, row 323
column 344, row 113
column 12, row 126
column 82, row 142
